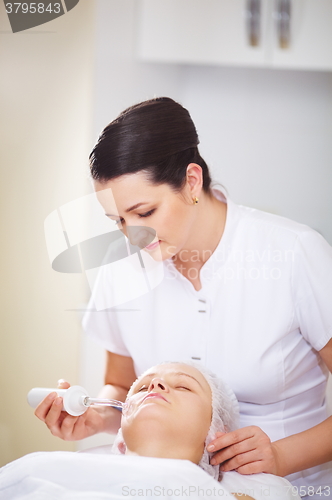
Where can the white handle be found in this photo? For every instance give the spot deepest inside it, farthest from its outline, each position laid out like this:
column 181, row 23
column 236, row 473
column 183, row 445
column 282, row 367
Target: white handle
column 72, row 398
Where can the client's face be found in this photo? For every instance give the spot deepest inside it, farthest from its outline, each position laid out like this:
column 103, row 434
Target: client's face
column 169, row 413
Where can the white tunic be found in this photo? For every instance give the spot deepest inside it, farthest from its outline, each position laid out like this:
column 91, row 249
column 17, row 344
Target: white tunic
column 263, row 312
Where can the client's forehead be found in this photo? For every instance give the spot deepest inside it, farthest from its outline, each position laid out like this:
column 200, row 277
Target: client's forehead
column 173, row 369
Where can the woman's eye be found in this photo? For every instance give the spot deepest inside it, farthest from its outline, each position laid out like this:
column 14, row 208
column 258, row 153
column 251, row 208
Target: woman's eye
column 182, row 387
column 147, row 214
column 150, row 212
column 144, row 388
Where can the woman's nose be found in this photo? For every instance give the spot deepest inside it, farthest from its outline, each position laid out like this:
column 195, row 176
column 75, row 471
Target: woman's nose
column 158, row 385
column 140, row 236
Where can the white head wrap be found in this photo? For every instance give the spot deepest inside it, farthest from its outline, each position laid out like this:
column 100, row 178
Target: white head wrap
column 225, row 415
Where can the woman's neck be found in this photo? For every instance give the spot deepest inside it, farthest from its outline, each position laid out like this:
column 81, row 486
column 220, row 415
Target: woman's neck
column 205, row 237
column 157, row 449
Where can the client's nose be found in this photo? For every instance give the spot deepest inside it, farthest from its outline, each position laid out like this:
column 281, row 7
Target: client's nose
column 157, row 385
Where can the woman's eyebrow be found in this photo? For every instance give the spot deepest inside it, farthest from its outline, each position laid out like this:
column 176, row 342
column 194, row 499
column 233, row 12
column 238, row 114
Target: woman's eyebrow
column 187, row 375
column 136, row 206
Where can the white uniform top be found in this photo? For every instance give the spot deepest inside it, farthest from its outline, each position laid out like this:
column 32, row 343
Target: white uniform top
column 263, row 312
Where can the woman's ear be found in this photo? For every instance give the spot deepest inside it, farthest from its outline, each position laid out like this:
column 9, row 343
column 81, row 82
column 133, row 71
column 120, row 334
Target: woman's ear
column 195, row 179
column 122, row 448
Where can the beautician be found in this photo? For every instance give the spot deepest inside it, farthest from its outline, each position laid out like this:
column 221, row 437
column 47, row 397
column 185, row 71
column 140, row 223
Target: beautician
column 246, row 293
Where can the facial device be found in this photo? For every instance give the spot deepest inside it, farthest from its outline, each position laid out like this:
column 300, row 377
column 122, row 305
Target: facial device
column 75, row 399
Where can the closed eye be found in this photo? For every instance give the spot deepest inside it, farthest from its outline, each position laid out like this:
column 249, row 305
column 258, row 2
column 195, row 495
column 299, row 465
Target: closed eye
column 182, row 387
column 144, row 388
column 147, row 214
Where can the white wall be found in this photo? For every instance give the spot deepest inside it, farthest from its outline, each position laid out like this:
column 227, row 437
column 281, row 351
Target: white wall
column 267, row 135
column 121, row 80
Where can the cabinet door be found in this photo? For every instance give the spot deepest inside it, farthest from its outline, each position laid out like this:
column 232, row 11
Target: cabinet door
column 199, row 31
column 310, row 37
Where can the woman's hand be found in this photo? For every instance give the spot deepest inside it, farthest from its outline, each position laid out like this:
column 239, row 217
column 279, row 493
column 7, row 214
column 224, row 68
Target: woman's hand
column 248, row 451
column 65, row 426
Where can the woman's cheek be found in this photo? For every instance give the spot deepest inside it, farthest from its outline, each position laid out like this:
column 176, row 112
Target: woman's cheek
column 132, row 405
column 201, row 414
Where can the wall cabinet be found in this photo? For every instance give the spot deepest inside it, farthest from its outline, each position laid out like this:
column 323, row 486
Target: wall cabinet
column 217, row 32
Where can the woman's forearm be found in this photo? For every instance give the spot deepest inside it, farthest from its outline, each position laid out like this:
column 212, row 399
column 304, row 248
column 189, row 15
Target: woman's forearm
column 305, row 449
column 111, row 416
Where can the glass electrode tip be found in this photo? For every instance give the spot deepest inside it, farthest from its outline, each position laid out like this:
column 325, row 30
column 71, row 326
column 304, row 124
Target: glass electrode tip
column 87, row 401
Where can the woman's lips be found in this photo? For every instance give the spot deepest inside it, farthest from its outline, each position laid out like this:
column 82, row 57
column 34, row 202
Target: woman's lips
column 155, row 395
column 152, row 246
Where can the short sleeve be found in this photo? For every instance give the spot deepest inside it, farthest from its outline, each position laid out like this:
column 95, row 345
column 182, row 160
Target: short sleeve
column 312, row 287
column 104, row 331
column 102, row 325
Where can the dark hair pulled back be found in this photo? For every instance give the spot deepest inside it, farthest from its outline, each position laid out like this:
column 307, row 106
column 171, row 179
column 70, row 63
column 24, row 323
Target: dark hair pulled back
column 157, row 136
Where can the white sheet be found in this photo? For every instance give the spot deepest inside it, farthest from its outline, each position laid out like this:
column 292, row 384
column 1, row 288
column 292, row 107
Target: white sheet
column 83, row 476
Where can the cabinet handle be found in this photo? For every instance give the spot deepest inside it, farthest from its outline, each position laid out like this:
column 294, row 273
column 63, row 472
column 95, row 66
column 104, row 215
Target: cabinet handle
column 253, row 21
column 283, row 16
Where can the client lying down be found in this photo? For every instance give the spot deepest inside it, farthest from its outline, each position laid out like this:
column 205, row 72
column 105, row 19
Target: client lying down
column 173, row 411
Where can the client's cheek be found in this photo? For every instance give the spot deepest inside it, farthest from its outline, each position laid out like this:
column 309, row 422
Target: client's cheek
column 128, row 433
column 203, row 419
column 132, row 404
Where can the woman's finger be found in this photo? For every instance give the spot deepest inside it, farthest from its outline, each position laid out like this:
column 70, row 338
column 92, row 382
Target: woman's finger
column 252, row 468
column 234, row 450
column 219, row 434
column 53, row 416
column 231, row 438
column 240, row 460
column 67, row 427
column 80, row 426
column 63, row 384
column 43, row 408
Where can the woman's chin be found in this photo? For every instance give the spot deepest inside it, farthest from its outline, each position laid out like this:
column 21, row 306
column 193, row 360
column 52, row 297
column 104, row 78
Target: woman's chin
column 154, row 411
column 150, row 422
column 157, row 253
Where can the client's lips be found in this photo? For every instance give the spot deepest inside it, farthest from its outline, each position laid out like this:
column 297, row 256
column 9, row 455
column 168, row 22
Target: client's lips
column 155, row 395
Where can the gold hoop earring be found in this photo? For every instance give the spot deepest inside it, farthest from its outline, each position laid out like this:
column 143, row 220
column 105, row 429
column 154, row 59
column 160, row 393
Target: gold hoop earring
column 195, row 200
